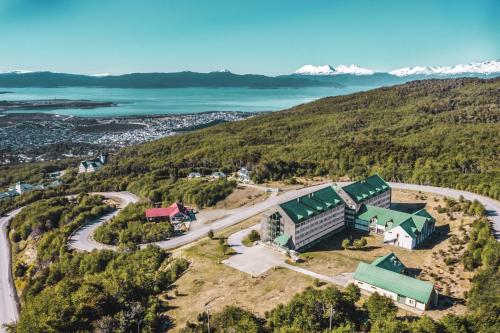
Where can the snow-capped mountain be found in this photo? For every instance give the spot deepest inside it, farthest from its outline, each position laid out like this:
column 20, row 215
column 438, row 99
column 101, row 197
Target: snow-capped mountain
column 19, row 71
column 329, row 70
column 484, row 67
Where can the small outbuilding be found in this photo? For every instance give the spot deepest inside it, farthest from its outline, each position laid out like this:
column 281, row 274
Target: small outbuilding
column 385, row 276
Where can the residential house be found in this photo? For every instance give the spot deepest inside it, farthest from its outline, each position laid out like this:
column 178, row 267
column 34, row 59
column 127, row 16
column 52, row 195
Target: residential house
column 386, row 276
column 301, row 222
column 194, row 175
column 176, row 212
column 244, row 175
column 218, row 175
column 89, row 166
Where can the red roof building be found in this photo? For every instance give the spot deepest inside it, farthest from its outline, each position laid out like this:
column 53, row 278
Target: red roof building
column 175, row 212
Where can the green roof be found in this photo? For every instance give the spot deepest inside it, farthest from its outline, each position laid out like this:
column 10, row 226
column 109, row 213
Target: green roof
column 390, row 262
column 307, row 206
column 367, row 188
column 398, row 283
column 411, row 223
column 282, row 240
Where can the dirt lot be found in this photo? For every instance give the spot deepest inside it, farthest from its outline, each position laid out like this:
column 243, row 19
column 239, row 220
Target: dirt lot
column 426, row 263
column 208, row 281
column 242, row 196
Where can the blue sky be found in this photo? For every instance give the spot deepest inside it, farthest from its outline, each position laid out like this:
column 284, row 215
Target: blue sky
column 257, row 36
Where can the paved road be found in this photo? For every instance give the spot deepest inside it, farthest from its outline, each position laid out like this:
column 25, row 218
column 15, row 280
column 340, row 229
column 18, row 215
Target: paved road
column 82, row 239
column 492, row 206
column 237, row 215
column 8, row 304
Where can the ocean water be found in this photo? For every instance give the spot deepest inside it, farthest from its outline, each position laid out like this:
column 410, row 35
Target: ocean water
column 141, row 102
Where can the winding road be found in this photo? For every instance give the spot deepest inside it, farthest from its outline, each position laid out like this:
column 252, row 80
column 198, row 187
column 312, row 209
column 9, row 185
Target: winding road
column 82, row 238
column 8, row 302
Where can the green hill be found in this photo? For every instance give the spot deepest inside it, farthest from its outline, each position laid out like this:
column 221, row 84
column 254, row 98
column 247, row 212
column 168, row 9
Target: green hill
column 439, row 132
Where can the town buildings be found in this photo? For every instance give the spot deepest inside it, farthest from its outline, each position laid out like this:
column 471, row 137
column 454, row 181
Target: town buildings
column 363, row 205
column 386, row 276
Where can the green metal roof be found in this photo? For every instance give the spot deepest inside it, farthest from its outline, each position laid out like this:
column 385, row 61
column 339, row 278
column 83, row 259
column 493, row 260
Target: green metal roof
column 282, row 240
column 398, row 283
column 390, row 262
column 424, row 213
column 307, row 206
column 411, row 223
column 367, row 188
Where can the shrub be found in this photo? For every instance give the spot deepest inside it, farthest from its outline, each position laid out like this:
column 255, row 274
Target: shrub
column 210, row 234
column 254, row 236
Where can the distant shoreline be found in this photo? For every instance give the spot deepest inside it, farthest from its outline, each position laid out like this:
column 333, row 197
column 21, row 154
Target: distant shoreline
column 51, row 104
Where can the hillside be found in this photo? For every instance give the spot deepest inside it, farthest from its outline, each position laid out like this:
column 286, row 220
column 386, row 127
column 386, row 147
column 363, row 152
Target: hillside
column 440, row 132
column 156, row 80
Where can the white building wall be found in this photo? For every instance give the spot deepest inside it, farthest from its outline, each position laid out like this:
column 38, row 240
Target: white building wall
column 371, row 289
column 404, row 240
column 382, row 200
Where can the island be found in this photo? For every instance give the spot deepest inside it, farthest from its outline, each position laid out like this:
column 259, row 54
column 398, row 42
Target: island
column 52, row 104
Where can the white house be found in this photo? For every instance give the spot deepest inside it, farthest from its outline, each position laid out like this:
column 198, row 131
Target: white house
column 194, row 175
column 218, row 174
column 88, row 166
column 244, row 175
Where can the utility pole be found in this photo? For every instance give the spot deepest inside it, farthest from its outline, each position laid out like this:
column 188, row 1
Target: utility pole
column 331, row 315
column 207, row 310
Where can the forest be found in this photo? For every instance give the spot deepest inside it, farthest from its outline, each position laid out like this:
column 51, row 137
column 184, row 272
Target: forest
column 100, row 291
column 432, row 132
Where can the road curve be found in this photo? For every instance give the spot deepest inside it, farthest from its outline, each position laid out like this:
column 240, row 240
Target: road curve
column 8, row 301
column 492, row 206
column 82, row 239
column 9, row 311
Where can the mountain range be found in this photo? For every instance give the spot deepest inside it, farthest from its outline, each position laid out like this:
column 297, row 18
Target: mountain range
column 306, row 76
